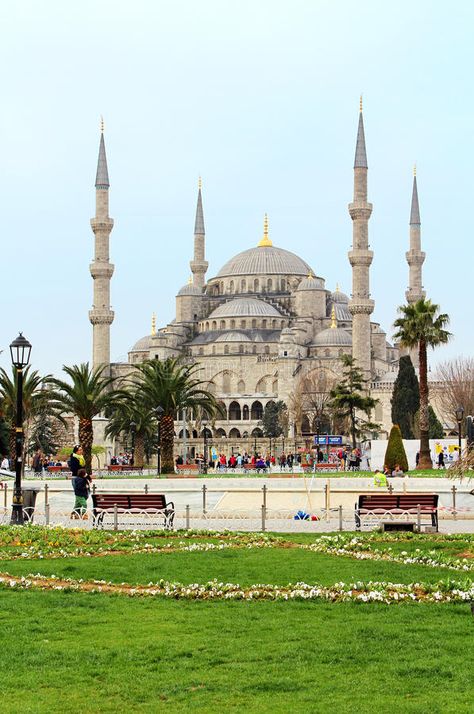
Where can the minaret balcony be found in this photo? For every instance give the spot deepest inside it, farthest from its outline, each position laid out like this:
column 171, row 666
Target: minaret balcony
column 360, row 210
column 360, row 256
column 99, row 225
column 101, row 269
column 101, row 316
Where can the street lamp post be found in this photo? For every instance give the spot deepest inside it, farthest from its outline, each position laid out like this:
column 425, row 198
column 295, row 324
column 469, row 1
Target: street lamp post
column 205, row 459
column 133, row 431
column 159, row 411
column 283, row 443
column 459, row 418
column 20, row 350
column 318, row 428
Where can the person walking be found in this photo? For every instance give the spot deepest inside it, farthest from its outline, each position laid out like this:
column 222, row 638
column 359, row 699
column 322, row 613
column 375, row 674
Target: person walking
column 76, row 460
column 38, row 463
column 441, row 464
column 81, row 486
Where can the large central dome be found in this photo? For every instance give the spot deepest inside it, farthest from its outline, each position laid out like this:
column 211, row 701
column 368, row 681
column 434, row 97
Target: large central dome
column 264, row 260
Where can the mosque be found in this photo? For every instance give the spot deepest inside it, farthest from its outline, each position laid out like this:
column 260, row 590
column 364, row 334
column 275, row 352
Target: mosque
column 265, row 327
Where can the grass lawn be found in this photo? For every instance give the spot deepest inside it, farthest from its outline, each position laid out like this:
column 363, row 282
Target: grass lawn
column 65, row 651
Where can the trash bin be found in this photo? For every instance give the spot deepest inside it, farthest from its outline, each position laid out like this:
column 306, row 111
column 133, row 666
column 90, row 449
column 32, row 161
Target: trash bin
column 29, row 494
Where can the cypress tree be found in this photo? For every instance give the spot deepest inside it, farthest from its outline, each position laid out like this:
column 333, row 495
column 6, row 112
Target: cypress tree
column 405, row 398
column 395, row 453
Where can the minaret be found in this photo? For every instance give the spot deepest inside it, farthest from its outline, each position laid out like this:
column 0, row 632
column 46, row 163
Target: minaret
column 360, row 258
column 415, row 257
column 199, row 263
column 101, row 316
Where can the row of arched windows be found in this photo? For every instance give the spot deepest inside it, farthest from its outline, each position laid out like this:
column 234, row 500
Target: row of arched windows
column 252, row 285
column 243, row 324
column 234, row 349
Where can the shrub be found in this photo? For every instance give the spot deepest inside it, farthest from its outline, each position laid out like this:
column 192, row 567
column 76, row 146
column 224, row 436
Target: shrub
column 395, row 453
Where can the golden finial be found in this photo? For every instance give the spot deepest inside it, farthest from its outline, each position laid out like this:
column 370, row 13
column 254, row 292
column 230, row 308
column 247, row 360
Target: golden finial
column 199, row 183
column 102, row 125
column 310, row 275
column 414, row 169
column 360, row 103
column 265, row 242
column 337, row 287
column 333, row 318
column 190, row 280
column 153, row 324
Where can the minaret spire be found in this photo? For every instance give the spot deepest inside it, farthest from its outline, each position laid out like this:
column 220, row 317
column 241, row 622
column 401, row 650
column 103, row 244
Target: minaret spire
column 360, row 258
column 101, row 316
column 199, row 263
column 415, row 256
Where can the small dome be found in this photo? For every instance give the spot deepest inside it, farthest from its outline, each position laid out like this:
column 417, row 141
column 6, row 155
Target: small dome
column 311, row 283
column 338, row 297
column 264, row 260
column 190, row 290
column 143, row 344
column 233, row 337
column 245, row 307
column 333, row 337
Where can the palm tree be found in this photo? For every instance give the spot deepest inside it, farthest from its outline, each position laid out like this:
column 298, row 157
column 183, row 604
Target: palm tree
column 421, row 326
column 130, row 410
column 36, row 399
column 172, row 386
column 87, row 395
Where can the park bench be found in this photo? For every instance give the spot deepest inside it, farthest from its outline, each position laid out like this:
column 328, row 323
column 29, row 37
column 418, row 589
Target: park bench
column 326, row 466
column 125, row 468
column 381, row 505
column 58, row 469
column 254, row 467
column 149, row 504
column 188, row 469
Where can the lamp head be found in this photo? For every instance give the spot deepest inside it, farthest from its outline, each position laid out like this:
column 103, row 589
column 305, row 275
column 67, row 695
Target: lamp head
column 20, row 350
column 459, row 413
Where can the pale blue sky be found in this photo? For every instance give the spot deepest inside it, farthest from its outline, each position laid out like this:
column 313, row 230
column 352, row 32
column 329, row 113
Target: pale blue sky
column 260, row 98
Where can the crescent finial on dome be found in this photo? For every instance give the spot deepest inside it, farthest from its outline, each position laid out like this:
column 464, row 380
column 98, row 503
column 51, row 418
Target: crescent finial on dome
column 333, row 318
column 265, row 241
column 153, row 324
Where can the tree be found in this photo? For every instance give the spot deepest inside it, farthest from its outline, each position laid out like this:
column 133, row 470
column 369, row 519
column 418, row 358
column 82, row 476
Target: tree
column 435, row 428
column 405, row 397
column 37, row 398
column 42, row 435
column 273, row 419
column 87, row 394
column 347, row 398
column 420, row 325
column 457, row 387
column 395, row 452
column 173, row 386
column 131, row 409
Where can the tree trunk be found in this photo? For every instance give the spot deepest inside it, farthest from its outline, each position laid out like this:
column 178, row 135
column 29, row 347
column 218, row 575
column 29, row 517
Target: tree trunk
column 425, row 457
column 353, row 429
column 167, row 443
column 86, row 438
column 139, row 454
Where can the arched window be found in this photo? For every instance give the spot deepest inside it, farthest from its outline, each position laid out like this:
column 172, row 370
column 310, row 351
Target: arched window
column 264, row 324
column 261, row 386
column 241, row 349
column 243, row 324
column 213, row 349
column 256, row 285
column 274, row 324
column 201, row 350
column 220, row 433
column 214, row 325
column 234, row 434
column 207, row 326
column 222, row 325
column 180, row 436
column 305, row 427
column 254, row 324
column 226, row 349
column 232, row 324
column 221, row 288
column 266, row 349
column 243, row 286
column 257, row 432
column 327, row 353
column 256, row 411
column 241, row 386
column 254, row 349
column 283, row 285
column 231, row 286
column 234, row 412
column 269, row 285
column 226, row 382
column 245, row 412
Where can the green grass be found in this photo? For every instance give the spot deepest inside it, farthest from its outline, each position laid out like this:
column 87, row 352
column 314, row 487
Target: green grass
column 73, row 651
column 66, row 652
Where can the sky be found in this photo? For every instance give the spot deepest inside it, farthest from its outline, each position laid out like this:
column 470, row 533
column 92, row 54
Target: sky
column 261, row 99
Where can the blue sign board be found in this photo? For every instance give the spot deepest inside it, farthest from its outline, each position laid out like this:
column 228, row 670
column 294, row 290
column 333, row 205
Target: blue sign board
column 328, row 440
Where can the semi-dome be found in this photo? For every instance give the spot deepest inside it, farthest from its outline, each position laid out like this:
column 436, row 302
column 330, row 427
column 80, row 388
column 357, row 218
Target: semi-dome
column 190, row 289
column 311, row 283
column 333, row 337
column 233, row 337
column 245, row 307
column 264, row 260
column 143, row 344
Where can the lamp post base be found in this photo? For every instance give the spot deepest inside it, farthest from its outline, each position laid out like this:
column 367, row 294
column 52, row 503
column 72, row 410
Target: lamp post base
column 17, row 518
